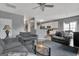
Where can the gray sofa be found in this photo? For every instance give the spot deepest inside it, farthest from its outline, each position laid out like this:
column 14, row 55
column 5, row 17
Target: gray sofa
column 11, row 45
column 62, row 38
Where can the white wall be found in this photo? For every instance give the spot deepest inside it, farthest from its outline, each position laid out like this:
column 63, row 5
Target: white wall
column 18, row 25
column 17, row 22
column 67, row 20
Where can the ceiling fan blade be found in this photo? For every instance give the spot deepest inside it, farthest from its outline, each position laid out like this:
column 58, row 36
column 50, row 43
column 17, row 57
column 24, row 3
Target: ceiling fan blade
column 41, row 3
column 35, row 7
column 49, row 5
column 10, row 5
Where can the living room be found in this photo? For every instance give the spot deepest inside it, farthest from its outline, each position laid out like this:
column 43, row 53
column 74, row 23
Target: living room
column 39, row 29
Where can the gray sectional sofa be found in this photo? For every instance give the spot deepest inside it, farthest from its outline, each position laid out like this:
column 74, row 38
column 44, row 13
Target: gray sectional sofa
column 21, row 44
column 27, row 39
column 11, row 45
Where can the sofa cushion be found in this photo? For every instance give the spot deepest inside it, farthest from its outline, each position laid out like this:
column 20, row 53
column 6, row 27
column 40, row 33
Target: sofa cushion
column 58, row 34
column 2, row 43
column 1, row 49
column 18, row 49
column 12, row 45
column 57, row 37
column 1, row 46
column 10, row 40
column 27, row 34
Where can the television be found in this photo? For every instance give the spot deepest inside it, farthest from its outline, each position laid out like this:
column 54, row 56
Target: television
column 76, row 39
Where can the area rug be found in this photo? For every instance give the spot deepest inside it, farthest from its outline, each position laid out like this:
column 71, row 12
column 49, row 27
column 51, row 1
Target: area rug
column 58, row 49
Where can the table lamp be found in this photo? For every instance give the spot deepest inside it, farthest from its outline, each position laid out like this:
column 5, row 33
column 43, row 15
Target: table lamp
column 7, row 30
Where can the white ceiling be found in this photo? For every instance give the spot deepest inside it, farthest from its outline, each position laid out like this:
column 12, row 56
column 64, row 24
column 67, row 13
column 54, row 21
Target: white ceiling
column 60, row 10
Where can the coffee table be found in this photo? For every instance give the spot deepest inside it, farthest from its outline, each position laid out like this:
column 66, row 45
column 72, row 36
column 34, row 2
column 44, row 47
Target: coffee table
column 42, row 48
column 50, row 48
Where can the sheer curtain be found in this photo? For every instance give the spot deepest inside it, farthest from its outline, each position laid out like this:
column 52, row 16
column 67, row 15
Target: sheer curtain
column 70, row 26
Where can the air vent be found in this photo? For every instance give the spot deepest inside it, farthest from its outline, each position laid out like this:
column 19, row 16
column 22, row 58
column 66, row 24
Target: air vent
column 10, row 5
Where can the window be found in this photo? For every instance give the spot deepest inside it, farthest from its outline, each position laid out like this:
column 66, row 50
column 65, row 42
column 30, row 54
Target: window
column 70, row 26
column 66, row 26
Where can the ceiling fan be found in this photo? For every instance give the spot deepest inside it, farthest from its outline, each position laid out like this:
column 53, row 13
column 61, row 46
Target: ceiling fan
column 43, row 5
